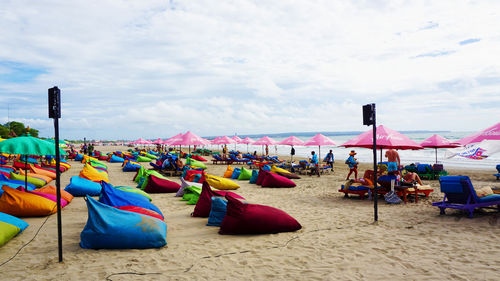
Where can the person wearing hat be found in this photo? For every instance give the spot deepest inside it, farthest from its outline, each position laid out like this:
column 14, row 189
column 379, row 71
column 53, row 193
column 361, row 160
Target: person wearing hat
column 353, row 165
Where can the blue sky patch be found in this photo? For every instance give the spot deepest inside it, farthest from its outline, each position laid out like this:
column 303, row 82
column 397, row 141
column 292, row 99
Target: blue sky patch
column 17, row 72
column 434, row 54
column 469, row 41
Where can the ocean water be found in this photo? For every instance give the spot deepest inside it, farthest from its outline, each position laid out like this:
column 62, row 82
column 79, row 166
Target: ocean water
column 427, row 155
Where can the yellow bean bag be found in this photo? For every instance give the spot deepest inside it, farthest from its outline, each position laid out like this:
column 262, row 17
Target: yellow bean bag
column 62, row 164
column 50, row 189
column 91, row 173
column 221, row 183
column 47, row 179
column 87, row 158
column 23, row 204
column 36, row 181
column 275, row 170
column 229, row 172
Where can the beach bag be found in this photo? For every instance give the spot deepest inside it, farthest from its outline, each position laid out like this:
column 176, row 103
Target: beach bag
column 392, row 198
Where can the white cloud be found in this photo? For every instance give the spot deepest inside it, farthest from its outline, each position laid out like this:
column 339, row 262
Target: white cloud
column 152, row 69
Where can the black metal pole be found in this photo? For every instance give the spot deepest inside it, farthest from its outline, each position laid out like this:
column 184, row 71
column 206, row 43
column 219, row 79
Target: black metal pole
column 58, row 190
column 375, row 198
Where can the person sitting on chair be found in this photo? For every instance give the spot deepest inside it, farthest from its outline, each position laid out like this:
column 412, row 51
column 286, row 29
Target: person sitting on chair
column 315, row 164
column 411, row 177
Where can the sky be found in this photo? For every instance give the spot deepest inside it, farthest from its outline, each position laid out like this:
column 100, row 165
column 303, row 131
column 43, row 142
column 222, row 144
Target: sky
column 130, row 69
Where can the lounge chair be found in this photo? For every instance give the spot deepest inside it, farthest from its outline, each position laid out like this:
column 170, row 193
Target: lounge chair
column 425, row 171
column 460, row 194
column 238, row 161
column 498, row 174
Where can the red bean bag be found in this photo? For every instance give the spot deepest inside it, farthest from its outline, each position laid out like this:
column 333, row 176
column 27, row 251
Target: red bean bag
column 159, row 185
column 50, row 197
column 242, row 218
column 23, row 204
column 191, row 174
column 261, row 176
column 274, row 180
column 204, row 204
column 141, row 210
column 199, row 158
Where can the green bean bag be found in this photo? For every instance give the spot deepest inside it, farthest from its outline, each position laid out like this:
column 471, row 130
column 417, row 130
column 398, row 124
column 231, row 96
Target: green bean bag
column 35, row 181
column 191, row 194
column 244, row 174
column 195, row 163
column 134, row 190
column 143, row 159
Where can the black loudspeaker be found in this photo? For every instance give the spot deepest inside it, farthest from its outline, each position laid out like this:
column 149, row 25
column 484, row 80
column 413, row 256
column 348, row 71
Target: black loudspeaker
column 54, row 103
column 368, row 114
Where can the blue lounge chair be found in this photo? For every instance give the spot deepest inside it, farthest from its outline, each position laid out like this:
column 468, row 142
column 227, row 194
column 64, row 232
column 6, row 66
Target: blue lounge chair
column 236, row 160
column 460, row 194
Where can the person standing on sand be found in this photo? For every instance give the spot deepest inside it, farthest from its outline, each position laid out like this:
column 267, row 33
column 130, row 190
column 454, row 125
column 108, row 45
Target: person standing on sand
column 353, row 165
column 224, row 151
column 393, row 159
column 315, row 164
column 329, row 159
column 267, row 150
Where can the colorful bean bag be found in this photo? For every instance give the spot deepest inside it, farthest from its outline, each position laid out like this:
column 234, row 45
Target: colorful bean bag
column 116, row 159
column 15, row 183
column 185, row 184
column 191, row 194
column 10, row 226
column 23, row 204
column 141, row 210
column 274, row 180
column 261, row 176
column 78, row 157
column 288, row 175
column 198, row 158
column 90, row 173
column 47, row 196
column 243, row 218
column 245, row 174
column 47, row 173
column 217, row 211
column 236, row 173
column 255, row 175
column 204, row 203
column 191, row 175
column 221, row 183
column 194, row 163
column 275, row 170
column 229, row 172
column 131, row 167
column 143, row 159
column 159, row 185
column 81, row 187
column 50, row 189
column 35, row 181
column 134, row 190
column 46, row 179
column 111, row 228
column 118, row 198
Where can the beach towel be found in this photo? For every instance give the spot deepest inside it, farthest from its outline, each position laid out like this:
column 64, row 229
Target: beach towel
column 111, row 228
column 243, row 218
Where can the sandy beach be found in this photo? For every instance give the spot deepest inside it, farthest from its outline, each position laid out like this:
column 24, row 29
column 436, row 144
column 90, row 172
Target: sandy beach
column 338, row 239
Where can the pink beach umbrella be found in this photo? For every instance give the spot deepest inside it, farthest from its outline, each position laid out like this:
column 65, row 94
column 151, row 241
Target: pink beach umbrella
column 386, row 138
column 265, row 141
column 158, row 141
column 436, row 141
column 141, row 141
column 319, row 140
column 175, row 138
column 190, row 139
column 237, row 140
column 247, row 141
column 223, row 140
column 491, row 133
column 291, row 140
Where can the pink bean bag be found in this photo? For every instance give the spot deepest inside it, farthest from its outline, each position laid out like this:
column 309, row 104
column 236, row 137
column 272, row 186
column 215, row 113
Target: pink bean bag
column 274, row 180
column 159, row 185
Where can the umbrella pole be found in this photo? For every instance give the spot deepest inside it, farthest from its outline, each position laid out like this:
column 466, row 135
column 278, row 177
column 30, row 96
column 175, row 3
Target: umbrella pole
column 26, row 173
column 436, row 154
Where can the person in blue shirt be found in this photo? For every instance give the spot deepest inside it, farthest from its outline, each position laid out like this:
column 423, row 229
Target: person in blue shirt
column 353, row 165
column 329, row 159
column 315, row 164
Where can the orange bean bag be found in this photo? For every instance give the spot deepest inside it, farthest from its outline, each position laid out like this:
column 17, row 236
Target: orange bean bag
column 47, row 173
column 91, row 173
column 50, row 189
column 23, row 204
column 229, row 172
column 39, row 176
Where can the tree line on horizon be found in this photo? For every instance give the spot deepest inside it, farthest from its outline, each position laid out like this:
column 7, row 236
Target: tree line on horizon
column 14, row 129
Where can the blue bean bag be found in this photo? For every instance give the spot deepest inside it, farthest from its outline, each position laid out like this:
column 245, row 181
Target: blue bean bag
column 78, row 157
column 236, row 173
column 80, row 187
column 130, row 167
column 112, row 228
column 16, row 183
column 255, row 175
column 116, row 159
column 14, row 221
column 119, row 198
column 217, row 211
